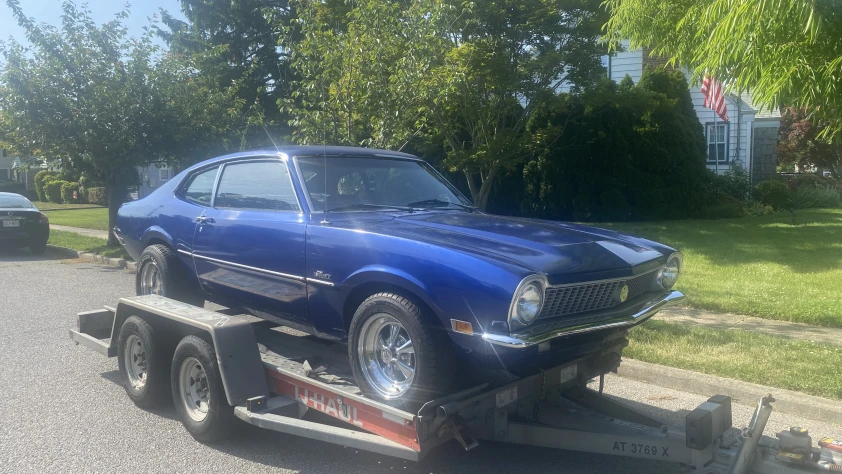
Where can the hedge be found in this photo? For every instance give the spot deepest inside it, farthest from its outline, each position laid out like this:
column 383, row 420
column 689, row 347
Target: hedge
column 97, row 196
column 52, row 190
column 40, row 178
column 772, row 193
column 67, row 191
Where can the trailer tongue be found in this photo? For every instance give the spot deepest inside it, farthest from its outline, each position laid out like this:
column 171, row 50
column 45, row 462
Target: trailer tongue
column 270, row 379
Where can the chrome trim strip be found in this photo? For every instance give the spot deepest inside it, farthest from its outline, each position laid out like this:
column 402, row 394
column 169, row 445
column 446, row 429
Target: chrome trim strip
column 184, row 252
column 320, row 282
column 246, row 267
column 607, row 280
column 642, row 315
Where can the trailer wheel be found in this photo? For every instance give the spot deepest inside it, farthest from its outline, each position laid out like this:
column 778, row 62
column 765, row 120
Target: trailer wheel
column 142, row 364
column 159, row 272
column 198, row 392
column 396, row 356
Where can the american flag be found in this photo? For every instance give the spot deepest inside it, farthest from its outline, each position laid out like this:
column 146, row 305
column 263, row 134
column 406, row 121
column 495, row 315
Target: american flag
column 714, row 97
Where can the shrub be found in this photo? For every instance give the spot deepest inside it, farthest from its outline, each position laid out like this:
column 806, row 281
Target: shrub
column 40, row 178
column 759, row 209
column 819, row 196
column 67, row 190
column 735, row 182
column 618, row 154
column 772, row 193
column 97, row 196
column 52, row 190
column 12, row 187
column 728, row 207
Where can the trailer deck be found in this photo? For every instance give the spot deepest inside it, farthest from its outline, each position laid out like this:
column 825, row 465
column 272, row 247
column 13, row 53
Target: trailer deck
column 272, row 377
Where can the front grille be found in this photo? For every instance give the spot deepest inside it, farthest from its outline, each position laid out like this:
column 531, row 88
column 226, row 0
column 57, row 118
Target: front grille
column 573, row 299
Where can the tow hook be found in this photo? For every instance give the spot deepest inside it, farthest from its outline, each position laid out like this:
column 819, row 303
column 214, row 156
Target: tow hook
column 455, row 425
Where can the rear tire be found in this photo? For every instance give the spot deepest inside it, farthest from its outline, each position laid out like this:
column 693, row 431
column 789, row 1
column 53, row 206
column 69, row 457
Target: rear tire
column 38, row 248
column 160, row 272
column 197, row 391
column 382, row 371
column 142, row 363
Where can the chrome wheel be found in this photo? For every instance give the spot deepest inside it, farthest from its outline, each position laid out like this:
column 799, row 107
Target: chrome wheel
column 134, row 355
column 387, row 356
column 195, row 392
column 151, row 282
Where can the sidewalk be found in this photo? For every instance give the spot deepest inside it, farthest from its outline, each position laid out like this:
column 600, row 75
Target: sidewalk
column 783, row 329
column 99, row 234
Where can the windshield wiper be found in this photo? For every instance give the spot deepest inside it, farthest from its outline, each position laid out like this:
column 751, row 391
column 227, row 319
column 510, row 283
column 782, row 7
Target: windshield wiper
column 440, row 203
column 364, row 205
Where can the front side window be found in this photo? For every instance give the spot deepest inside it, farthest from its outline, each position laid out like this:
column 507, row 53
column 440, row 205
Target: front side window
column 366, row 183
column 199, row 188
column 717, row 142
column 259, row 185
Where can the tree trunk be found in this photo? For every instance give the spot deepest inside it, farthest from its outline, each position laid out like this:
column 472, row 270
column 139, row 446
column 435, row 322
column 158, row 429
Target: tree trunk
column 115, row 190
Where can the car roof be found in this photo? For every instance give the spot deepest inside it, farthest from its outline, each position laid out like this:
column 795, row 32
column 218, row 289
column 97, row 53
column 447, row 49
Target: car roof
column 313, row 150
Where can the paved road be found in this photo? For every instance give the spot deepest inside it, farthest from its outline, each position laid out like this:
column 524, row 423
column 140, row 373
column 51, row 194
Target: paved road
column 62, row 408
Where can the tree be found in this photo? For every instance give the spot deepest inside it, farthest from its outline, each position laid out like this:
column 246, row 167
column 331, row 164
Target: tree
column 782, row 51
column 469, row 73
column 800, row 144
column 242, row 46
column 103, row 103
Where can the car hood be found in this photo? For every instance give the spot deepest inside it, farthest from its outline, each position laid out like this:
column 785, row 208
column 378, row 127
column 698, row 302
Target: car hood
column 566, row 253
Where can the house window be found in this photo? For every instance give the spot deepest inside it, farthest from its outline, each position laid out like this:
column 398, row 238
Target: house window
column 5, row 153
column 717, row 136
column 163, row 174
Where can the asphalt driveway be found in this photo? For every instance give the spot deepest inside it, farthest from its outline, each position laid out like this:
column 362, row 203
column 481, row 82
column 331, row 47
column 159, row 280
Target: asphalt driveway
column 63, row 410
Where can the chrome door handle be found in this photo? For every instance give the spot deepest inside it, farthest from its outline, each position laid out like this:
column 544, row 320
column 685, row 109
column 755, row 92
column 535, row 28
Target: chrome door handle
column 205, row 220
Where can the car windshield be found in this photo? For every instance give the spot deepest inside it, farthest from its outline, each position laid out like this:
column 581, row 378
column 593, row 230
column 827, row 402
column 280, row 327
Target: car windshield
column 375, row 183
column 15, row 202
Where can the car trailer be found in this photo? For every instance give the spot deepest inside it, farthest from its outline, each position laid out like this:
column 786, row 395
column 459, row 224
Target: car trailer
column 273, row 378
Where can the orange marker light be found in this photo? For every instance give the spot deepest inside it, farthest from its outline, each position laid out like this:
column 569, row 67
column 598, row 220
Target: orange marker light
column 461, row 326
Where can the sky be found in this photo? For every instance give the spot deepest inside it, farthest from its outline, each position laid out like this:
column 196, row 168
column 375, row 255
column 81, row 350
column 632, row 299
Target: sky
column 49, row 11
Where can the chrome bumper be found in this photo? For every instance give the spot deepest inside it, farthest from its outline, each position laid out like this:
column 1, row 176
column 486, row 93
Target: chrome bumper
column 652, row 307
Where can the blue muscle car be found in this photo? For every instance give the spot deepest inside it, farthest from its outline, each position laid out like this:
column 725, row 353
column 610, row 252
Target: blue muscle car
column 376, row 249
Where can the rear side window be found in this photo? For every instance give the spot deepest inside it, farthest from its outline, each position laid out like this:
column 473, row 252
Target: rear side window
column 199, row 188
column 259, row 185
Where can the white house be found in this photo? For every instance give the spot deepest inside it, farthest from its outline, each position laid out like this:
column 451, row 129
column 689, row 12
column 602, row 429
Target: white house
column 749, row 139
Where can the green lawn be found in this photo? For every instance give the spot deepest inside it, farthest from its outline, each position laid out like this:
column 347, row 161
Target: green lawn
column 51, row 205
column 86, row 218
column 85, row 244
column 802, row 366
column 759, row 266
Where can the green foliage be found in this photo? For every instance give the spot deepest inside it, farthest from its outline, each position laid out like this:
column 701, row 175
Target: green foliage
column 612, row 154
column 756, row 209
column 816, row 197
column 726, row 207
column 40, row 178
column 97, row 195
column 800, row 144
column 52, row 190
column 12, row 187
column 103, row 102
column 772, row 193
column 783, row 51
column 67, row 190
column 734, row 182
column 469, row 74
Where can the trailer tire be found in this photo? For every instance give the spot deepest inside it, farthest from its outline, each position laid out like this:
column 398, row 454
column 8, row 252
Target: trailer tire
column 430, row 361
column 142, row 363
column 198, row 393
column 160, row 272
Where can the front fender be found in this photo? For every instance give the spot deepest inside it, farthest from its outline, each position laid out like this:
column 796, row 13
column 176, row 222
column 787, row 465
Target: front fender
column 390, row 276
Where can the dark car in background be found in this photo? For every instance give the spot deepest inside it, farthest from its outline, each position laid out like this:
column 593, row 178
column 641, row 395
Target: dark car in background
column 375, row 249
column 22, row 224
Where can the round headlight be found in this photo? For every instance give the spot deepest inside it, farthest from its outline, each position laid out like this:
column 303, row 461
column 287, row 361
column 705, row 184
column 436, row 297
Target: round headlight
column 669, row 275
column 528, row 302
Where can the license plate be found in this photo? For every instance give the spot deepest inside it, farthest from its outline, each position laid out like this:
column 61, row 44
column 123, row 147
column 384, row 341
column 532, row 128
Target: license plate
column 11, row 223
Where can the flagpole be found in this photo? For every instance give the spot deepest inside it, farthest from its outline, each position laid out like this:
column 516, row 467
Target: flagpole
column 715, row 143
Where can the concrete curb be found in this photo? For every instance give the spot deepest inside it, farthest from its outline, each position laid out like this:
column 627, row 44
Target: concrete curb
column 95, row 258
column 787, row 401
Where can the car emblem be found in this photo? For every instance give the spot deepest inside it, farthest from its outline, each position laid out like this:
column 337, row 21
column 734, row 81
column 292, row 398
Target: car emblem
column 11, row 213
column 624, row 293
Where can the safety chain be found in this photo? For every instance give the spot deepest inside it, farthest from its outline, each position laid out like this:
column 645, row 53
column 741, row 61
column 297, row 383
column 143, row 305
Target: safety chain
column 540, row 398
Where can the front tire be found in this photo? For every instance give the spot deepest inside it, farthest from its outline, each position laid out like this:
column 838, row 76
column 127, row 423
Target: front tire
column 142, row 363
column 396, row 355
column 159, row 272
column 197, row 391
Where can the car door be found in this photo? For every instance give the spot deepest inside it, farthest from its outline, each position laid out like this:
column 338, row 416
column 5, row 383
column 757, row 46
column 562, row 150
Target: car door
column 248, row 247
